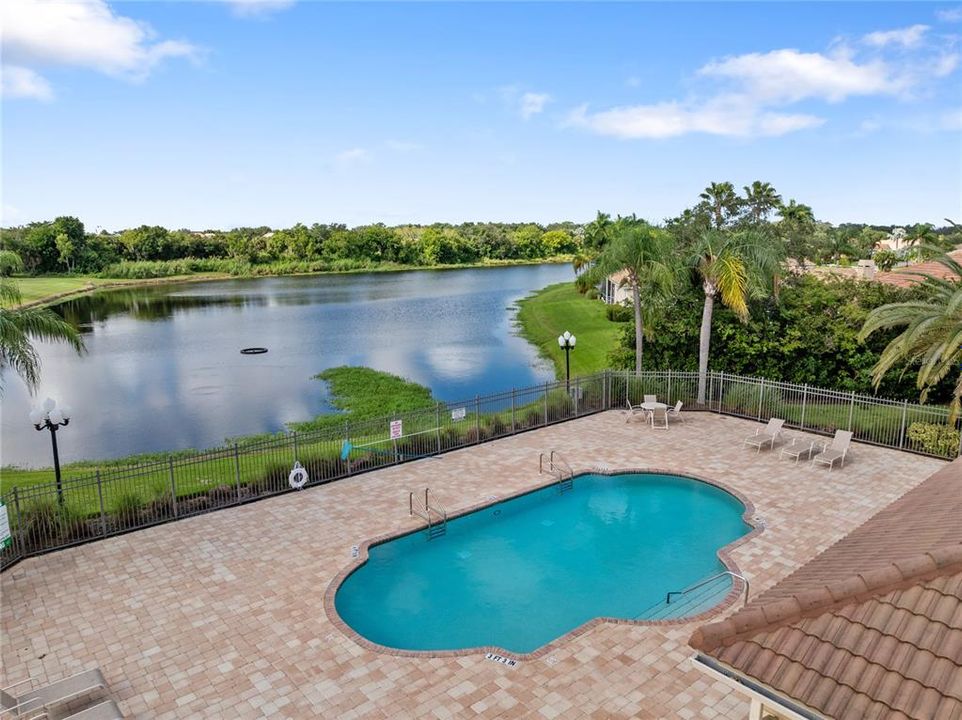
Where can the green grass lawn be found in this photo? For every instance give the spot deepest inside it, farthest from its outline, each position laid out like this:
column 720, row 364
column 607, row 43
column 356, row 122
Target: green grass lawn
column 547, row 313
column 48, row 287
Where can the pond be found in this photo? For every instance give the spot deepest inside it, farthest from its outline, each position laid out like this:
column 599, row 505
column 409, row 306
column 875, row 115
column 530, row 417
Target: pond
column 164, row 371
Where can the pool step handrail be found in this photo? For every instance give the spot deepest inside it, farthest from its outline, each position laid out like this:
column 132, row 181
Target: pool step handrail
column 558, row 467
column 431, row 511
column 701, row 583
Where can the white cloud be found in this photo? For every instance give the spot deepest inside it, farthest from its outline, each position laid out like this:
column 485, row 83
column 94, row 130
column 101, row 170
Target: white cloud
column 257, row 8
column 950, row 15
column 945, row 65
column 21, row 82
column 730, row 116
column 533, row 103
column 908, row 37
column 785, row 76
column 749, row 95
column 353, row 156
column 84, row 33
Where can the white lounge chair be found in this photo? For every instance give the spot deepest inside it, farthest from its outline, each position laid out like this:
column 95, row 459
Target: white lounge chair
column 106, row 710
column 766, row 435
column 675, row 412
column 659, row 418
column 836, row 451
column 634, row 410
column 651, row 398
column 33, row 701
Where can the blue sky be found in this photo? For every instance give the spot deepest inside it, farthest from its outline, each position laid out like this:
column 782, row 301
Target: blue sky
column 250, row 112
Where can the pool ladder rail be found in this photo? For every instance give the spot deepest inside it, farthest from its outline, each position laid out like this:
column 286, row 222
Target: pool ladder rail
column 558, row 467
column 734, row 576
column 431, row 511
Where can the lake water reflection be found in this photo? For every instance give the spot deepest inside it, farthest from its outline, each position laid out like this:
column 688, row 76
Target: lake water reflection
column 163, row 369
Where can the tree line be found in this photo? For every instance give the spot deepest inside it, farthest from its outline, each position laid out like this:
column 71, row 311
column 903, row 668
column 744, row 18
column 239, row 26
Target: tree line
column 63, row 246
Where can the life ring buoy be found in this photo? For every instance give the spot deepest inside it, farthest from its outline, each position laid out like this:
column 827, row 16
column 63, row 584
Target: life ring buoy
column 298, row 477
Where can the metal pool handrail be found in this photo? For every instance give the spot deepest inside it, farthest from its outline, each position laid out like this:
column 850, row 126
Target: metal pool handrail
column 708, row 580
column 424, row 510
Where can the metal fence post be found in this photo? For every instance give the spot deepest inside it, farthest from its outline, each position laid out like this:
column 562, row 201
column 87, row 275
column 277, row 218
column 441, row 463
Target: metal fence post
column 16, row 508
column 294, row 443
column 761, row 394
column 512, row 412
column 347, row 436
column 804, row 404
column 577, row 394
column 905, row 410
column 173, row 485
column 546, row 403
column 237, row 472
column 669, row 387
column 606, row 391
column 437, row 424
column 103, row 515
column 711, row 391
column 477, row 419
column 851, row 411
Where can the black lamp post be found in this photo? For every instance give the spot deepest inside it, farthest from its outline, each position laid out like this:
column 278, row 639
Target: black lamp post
column 50, row 417
column 567, row 343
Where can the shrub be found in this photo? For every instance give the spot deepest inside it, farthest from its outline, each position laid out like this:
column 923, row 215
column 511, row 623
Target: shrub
column 934, row 439
column 127, row 504
column 619, row 313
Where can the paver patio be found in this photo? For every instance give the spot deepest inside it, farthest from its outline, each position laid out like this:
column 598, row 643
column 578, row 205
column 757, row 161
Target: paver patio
column 222, row 615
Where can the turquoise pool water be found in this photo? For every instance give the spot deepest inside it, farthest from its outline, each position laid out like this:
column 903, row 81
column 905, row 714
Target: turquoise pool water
column 525, row 571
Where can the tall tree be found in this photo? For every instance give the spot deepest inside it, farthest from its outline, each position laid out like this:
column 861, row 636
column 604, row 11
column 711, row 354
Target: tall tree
column 19, row 327
column 597, row 234
column 761, row 199
column 721, row 201
column 646, row 254
column 932, row 338
column 797, row 228
column 734, row 267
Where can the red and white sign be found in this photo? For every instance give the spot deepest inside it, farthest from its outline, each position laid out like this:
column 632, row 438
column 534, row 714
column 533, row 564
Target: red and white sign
column 397, row 430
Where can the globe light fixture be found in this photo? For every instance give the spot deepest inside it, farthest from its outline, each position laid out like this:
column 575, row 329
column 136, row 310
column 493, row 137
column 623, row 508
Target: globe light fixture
column 566, row 341
column 48, row 416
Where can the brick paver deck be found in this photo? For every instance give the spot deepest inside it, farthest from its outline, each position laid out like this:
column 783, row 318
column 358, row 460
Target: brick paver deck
column 222, row 616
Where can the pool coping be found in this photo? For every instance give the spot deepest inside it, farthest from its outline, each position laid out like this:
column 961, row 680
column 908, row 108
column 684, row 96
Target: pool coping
column 723, row 554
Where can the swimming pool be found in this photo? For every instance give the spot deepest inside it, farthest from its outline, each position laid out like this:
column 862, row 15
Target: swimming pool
column 522, row 572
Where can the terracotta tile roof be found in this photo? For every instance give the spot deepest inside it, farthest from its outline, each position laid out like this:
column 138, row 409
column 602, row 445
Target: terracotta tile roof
column 870, row 628
column 910, row 275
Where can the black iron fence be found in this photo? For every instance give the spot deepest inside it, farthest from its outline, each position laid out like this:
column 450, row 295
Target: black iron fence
column 43, row 517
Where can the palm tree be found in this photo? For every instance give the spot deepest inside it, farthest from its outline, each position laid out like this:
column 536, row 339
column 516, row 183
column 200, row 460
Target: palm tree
column 720, row 199
column 736, row 267
column 19, row 327
column 597, row 233
column 796, row 213
column 645, row 254
column 797, row 228
column 932, row 338
column 761, row 199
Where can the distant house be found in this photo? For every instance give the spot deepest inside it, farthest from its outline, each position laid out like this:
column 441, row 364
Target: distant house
column 896, row 241
column 870, row 628
column 611, row 290
column 909, row 275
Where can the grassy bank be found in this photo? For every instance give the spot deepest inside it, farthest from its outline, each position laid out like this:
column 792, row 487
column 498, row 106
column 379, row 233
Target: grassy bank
column 45, row 290
column 544, row 315
column 359, row 392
